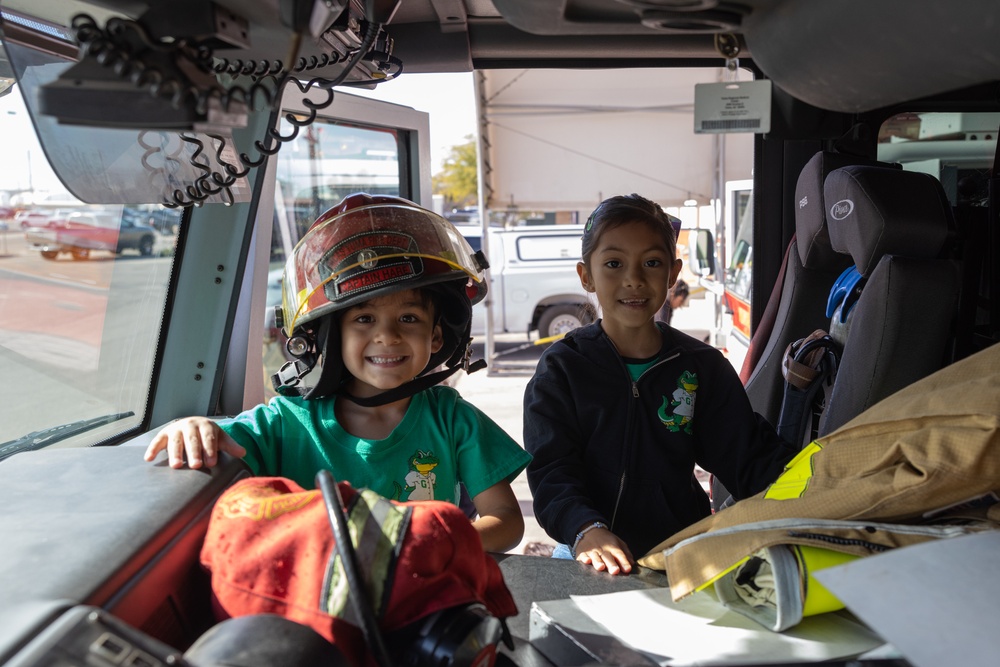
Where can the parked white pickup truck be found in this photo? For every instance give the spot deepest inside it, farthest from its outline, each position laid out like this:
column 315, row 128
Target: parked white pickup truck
column 533, row 281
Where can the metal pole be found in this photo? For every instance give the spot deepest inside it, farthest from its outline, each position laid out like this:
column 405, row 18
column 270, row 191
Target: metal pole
column 720, row 234
column 482, row 147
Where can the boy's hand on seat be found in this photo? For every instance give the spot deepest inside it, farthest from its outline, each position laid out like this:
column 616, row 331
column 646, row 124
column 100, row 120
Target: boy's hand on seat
column 605, row 551
column 198, row 439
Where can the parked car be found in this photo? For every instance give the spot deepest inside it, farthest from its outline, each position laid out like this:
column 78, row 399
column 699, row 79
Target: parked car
column 164, row 220
column 80, row 233
column 31, row 218
column 460, row 216
column 533, row 281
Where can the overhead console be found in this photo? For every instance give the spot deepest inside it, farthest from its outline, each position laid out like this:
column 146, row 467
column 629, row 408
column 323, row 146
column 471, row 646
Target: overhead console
column 177, row 102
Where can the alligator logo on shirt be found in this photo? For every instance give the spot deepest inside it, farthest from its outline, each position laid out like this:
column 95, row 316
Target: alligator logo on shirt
column 682, row 402
column 421, row 478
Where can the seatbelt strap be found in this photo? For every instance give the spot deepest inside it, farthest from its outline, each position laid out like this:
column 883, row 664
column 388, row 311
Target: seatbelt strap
column 763, row 331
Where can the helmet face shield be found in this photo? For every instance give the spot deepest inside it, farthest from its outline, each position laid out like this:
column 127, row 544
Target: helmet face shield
column 367, row 246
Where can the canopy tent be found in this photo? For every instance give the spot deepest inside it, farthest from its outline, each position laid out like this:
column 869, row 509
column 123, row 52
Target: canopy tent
column 562, row 140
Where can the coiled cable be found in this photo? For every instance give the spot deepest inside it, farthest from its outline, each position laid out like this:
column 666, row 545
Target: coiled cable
column 122, row 46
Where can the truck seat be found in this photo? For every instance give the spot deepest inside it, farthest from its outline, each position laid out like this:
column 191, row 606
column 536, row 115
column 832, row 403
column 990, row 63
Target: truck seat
column 811, row 267
column 895, row 226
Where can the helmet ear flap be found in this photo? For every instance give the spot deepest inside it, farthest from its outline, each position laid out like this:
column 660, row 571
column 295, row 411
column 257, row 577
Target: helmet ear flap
column 454, row 315
column 332, row 373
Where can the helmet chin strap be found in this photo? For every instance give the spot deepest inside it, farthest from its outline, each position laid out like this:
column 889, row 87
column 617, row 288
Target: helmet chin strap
column 415, row 385
column 288, row 381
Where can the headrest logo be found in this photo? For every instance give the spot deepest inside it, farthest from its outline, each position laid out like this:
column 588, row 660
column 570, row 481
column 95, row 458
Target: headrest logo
column 841, row 209
column 803, row 202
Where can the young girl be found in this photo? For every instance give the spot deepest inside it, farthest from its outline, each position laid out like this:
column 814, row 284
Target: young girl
column 619, row 412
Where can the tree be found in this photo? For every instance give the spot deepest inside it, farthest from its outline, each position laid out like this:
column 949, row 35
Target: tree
column 458, row 179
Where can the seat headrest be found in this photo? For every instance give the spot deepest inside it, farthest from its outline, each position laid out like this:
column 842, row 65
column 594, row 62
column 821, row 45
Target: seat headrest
column 811, row 234
column 874, row 211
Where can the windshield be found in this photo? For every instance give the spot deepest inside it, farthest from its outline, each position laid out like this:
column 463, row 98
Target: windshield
column 955, row 148
column 82, row 294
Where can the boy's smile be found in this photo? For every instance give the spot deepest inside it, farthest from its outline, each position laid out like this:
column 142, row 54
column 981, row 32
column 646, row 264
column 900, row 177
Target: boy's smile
column 388, row 341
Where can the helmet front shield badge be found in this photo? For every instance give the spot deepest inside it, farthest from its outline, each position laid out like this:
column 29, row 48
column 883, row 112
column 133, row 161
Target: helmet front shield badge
column 349, row 257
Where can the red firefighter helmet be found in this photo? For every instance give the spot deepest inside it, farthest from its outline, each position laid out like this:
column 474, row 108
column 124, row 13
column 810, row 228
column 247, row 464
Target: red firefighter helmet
column 371, row 245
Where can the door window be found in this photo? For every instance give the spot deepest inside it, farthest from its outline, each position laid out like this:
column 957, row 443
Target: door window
column 957, row 148
column 328, row 160
column 82, row 292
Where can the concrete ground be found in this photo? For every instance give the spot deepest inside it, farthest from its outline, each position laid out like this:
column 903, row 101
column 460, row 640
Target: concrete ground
column 500, row 393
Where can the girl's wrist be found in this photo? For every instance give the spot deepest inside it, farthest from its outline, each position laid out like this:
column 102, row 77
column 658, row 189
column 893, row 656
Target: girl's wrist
column 583, row 532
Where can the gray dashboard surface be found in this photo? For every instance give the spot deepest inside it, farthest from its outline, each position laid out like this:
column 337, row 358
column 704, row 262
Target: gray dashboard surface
column 78, row 524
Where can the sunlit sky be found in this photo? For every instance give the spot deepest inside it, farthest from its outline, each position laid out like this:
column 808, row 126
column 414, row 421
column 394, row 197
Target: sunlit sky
column 23, row 163
column 448, row 98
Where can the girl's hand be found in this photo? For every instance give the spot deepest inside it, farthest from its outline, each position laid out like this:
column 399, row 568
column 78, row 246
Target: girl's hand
column 605, row 551
column 198, row 438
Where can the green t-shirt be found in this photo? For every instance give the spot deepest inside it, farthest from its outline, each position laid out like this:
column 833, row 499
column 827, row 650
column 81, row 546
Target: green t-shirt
column 441, row 441
column 636, row 367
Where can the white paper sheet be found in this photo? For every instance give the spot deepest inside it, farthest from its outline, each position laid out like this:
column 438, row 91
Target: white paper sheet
column 936, row 602
column 698, row 630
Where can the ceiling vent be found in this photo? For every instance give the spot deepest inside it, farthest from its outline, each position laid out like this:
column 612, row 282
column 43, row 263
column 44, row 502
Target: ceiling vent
column 689, row 16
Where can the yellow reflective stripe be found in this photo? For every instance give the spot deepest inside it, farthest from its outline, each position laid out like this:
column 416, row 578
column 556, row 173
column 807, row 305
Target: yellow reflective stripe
column 376, row 528
column 720, row 575
column 816, row 598
column 334, row 602
column 792, row 483
column 384, row 531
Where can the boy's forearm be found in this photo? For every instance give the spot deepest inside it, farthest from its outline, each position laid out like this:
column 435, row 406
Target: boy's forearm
column 500, row 531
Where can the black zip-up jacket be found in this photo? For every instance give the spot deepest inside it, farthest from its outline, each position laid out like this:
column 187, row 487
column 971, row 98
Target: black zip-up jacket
column 609, row 449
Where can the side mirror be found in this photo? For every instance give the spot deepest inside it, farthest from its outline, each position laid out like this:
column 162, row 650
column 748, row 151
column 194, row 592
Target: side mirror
column 6, row 75
column 701, row 252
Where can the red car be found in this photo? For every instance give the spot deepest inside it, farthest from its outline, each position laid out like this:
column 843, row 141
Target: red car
column 80, row 233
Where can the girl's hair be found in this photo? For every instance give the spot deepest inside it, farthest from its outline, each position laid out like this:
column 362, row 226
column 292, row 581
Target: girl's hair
column 623, row 209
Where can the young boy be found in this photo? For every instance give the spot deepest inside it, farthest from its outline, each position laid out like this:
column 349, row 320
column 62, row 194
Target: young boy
column 382, row 290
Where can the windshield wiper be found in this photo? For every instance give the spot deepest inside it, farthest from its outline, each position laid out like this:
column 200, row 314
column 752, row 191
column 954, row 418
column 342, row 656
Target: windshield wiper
column 47, row 436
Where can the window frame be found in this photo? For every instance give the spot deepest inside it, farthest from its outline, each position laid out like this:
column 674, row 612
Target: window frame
column 243, row 384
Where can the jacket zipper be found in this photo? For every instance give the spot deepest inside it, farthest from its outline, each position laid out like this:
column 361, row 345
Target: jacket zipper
column 842, row 541
column 621, row 487
column 628, row 428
